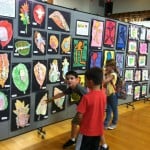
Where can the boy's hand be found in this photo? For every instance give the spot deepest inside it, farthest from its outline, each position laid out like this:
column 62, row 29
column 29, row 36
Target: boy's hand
column 49, row 100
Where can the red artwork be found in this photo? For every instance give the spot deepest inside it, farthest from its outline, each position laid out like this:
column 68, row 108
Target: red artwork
column 6, row 32
column 39, row 13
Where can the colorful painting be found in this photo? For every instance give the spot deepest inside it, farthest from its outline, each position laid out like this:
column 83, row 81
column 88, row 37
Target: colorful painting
column 39, row 75
column 41, row 106
column 54, row 70
column 81, row 79
column 142, row 60
column 21, row 78
column 108, row 54
column 80, row 53
column 147, row 34
column 142, row 31
column 22, row 48
column 24, row 20
column 136, row 92
column 121, row 37
column 145, row 75
column 59, row 103
column 110, row 33
column 4, row 105
column 133, row 32
column 82, row 28
column 97, row 34
column 144, row 90
column 65, row 44
column 39, row 42
column 143, row 47
column 129, row 88
column 129, row 73
column 132, row 46
column 131, row 60
column 5, row 61
column 6, row 34
column 58, row 20
column 96, row 59
column 38, row 15
column 120, row 61
column 53, row 43
column 20, row 113
column 65, row 65
column 137, row 75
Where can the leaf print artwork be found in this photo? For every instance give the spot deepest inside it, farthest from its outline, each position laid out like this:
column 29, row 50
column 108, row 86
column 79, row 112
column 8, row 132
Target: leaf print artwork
column 40, row 73
column 20, row 76
column 4, row 69
column 41, row 109
column 22, row 113
column 3, row 101
column 25, row 15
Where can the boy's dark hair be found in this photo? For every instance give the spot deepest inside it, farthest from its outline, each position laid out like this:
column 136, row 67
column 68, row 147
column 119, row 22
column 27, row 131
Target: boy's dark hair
column 73, row 73
column 95, row 74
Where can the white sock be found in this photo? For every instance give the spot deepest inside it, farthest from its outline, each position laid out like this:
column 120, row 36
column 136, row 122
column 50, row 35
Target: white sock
column 104, row 145
column 73, row 139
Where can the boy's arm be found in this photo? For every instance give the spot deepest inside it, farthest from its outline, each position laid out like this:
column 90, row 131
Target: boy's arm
column 79, row 117
column 55, row 97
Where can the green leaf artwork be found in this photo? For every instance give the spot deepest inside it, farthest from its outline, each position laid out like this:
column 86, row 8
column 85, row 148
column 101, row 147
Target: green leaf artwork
column 3, row 101
column 20, row 77
column 22, row 47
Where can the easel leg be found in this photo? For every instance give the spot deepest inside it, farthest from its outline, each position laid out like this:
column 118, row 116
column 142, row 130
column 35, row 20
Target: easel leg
column 130, row 104
column 41, row 132
column 146, row 99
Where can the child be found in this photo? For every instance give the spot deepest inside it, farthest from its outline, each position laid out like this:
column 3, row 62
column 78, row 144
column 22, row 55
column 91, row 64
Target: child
column 91, row 110
column 112, row 101
column 73, row 88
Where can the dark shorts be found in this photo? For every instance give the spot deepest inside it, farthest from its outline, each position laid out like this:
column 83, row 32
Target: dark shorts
column 87, row 142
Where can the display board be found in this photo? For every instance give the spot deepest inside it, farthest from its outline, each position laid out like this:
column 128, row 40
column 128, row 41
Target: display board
column 39, row 43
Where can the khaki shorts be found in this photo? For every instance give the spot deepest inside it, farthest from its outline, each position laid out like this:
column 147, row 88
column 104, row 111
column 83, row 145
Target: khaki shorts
column 75, row 120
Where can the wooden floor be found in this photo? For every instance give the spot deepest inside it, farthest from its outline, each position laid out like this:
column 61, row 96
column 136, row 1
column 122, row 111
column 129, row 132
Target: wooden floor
column 132, row 133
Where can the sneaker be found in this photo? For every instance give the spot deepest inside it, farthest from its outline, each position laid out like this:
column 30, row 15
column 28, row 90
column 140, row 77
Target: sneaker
column 103, row 148
column 106, row 127
column 69, row 143
column 111, row 127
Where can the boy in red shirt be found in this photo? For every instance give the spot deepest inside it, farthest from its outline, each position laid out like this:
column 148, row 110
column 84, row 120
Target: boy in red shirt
column 91, row 111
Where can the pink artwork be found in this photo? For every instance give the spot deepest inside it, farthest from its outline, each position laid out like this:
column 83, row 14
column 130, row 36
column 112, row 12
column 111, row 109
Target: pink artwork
column 143, row 48
column 97, row 32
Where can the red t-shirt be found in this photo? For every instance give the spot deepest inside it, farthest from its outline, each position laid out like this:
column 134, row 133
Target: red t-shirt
column 92, row 106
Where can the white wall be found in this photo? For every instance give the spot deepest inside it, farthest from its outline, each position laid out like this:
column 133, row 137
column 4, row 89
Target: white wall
column 120, row 6
column 90, row 6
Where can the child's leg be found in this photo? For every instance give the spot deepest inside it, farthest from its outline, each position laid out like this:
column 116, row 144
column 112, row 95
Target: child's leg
column 103, row 143
column 74, row 131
